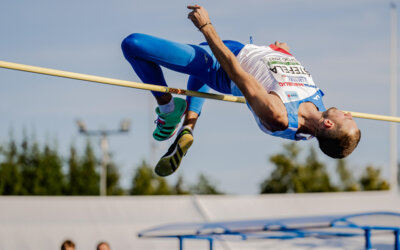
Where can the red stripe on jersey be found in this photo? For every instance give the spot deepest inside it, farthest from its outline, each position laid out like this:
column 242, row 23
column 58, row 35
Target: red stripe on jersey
column 272, row 46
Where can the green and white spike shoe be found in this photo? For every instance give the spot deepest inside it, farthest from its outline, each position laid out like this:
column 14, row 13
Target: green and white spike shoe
column 167, row 123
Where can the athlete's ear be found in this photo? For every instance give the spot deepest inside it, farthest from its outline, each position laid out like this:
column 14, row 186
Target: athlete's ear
column 328, row 123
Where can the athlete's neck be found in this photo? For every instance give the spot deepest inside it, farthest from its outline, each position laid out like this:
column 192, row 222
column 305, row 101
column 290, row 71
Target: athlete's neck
column 309, row 117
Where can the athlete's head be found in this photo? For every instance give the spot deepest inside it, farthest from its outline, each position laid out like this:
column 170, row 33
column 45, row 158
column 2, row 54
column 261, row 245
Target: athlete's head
column 337, row 133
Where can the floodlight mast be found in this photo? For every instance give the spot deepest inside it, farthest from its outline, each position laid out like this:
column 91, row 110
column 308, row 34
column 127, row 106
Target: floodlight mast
column 124, row 128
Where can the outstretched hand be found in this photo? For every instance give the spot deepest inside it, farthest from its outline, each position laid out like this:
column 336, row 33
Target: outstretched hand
column 198, row 15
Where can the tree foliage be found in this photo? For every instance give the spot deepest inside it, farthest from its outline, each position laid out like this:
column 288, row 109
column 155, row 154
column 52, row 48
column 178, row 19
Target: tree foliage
column 146, row 182
column 113, row 187
column 40, row 169
column 347, row 181
column 30, row 169
column 179, row 188
column 88, row 167
column 204, row 186
column 292, row 176
column 371, row 180
column 27, row 168
column 10, row 176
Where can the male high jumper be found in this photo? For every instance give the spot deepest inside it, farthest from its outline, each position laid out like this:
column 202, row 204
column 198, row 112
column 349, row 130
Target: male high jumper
column 278, row 90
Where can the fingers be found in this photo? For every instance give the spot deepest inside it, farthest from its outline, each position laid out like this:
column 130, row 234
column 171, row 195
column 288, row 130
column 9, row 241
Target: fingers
column 193, row 7
column 198, row 15
column 194, row 11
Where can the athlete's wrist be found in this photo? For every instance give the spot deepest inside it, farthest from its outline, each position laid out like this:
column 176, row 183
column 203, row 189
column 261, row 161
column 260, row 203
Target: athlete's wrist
column 204, row 25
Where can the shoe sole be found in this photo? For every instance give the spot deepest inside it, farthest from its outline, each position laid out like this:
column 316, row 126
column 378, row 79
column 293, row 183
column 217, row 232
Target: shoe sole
column 169, row 164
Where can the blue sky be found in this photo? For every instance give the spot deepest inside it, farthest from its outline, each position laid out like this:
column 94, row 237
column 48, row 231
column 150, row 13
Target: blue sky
column 344, row 44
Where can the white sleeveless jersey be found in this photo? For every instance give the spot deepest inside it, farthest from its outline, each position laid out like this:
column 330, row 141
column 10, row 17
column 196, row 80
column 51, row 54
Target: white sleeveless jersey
column 278, row 71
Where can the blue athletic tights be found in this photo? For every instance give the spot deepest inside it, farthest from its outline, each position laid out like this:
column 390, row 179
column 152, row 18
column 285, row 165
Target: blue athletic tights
column 147, row 53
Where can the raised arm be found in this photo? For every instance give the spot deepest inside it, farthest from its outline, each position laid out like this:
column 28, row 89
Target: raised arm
column 268, row 107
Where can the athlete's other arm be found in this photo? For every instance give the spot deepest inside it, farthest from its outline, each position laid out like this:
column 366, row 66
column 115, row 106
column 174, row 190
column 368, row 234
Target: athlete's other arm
column 268, row 107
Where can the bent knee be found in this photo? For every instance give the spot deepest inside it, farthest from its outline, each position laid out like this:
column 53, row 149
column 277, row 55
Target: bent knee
column 131, row 45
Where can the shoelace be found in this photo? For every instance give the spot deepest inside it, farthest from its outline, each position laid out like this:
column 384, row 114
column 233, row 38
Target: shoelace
column 160, row 123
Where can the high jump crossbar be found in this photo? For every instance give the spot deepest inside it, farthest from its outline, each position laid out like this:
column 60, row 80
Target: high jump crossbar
column 152, row 87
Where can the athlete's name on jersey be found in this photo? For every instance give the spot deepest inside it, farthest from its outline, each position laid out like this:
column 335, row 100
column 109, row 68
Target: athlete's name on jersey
column 295, row 70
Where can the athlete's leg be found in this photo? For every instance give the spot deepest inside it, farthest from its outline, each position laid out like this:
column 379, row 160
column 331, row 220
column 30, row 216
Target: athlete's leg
column 171, row 161
column 146, row 54
column 219, row 82
column 195, row 104
column 146, row 70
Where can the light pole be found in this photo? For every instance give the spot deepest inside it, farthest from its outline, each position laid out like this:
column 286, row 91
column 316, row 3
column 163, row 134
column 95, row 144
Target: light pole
column 124, row 128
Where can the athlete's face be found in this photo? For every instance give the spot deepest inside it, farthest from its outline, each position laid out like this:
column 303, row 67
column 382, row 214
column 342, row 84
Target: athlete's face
column 333, row 116
column 282, row 46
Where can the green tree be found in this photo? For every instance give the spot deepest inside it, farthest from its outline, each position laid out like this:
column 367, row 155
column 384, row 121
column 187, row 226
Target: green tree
column 90, row 178
column 35, row 170
column 29, row 160
column 142, row 183
column 49, row 176
column 145, row 182
column 347, row 181
column 10, row 177
column 286, row 166
column 75, row 184
column 371, row 180
column 40, row 169
column 113, row 187
column 204, row 186
column 162, row 186
column 290, row 175
column 83, row 178
column 313, row 176
column 179, row 188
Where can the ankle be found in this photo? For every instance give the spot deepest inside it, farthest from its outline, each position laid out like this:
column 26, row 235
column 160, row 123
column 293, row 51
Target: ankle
column 188, row 127
column 164, row 99
column 190, row 119
column 168, row 107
